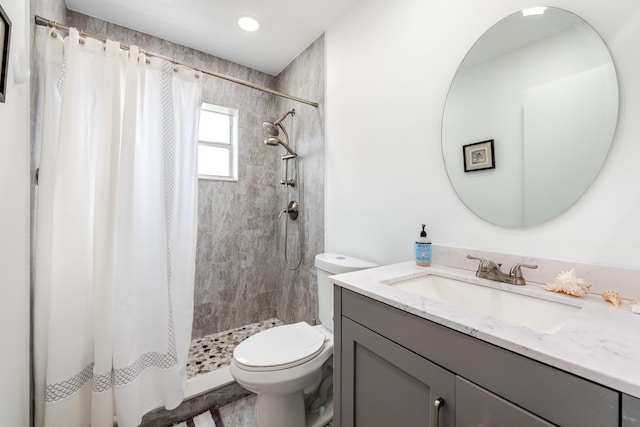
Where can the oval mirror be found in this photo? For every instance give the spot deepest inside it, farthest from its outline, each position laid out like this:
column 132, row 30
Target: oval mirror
column 530, row 117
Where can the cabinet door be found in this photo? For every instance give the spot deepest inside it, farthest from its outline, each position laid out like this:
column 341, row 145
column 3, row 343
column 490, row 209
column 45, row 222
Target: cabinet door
column 476, row 406
column 384, row 384
column 630, row 411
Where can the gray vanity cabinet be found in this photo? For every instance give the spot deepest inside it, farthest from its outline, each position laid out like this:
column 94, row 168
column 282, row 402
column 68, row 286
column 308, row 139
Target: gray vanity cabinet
column 390, row 385
column 390, row 367
column 476, row 406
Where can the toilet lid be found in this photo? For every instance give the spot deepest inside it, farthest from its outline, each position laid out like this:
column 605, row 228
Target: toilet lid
column 280, row 347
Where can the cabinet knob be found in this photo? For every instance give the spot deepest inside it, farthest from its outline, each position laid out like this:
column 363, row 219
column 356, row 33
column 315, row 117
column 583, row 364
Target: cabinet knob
column 436, row 411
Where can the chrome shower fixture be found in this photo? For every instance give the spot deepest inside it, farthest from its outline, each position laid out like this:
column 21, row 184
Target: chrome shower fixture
column 271, row 134
column 274, row 140
column 271, row 130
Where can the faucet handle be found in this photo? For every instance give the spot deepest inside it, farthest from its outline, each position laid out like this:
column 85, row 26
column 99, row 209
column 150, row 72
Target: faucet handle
column 482, row 260
column 483, row 264
column 516, row 271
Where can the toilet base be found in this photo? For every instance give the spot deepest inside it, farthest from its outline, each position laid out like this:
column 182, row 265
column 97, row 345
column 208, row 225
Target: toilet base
column 320, row 418
column 277, row 410
column 288, row 411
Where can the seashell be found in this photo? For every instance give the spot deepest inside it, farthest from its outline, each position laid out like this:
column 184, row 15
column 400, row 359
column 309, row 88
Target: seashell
column 612, row 297
column 635, row 307
column 567, row 283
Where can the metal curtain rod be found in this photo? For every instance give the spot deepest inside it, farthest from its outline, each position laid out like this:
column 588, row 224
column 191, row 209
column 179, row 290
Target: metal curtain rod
column 49, row 23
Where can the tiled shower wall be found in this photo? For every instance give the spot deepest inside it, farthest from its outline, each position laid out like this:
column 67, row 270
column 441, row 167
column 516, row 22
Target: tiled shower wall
column 240, row 272
column 304, row 78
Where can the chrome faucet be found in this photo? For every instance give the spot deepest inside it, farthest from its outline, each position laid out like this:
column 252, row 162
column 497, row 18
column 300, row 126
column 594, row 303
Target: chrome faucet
column 488, row 269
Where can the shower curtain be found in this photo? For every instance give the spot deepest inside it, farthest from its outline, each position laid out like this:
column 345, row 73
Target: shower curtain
column 115, row 233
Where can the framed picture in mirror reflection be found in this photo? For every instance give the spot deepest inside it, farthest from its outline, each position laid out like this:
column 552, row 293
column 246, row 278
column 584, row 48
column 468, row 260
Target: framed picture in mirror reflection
column 479, row 156
column 5, row 38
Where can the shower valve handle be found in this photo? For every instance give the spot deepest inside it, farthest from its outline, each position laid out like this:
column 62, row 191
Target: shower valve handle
column 292, row 210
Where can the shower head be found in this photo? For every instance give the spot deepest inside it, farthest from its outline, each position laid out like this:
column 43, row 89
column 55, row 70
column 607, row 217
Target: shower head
column 271, row 128
column 273, row 140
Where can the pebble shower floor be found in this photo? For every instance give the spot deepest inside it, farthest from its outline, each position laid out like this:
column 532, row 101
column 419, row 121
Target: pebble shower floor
column 213, row 351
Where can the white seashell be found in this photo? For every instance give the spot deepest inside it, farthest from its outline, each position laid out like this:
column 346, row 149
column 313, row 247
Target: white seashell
column 613, row 297
column 635, row 307
column 567, row 283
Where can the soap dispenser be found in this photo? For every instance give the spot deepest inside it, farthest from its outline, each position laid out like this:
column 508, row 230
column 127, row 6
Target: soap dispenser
column 423, row 249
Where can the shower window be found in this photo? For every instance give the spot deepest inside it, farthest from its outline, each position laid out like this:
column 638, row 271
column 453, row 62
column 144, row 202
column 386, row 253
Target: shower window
column 218, row 143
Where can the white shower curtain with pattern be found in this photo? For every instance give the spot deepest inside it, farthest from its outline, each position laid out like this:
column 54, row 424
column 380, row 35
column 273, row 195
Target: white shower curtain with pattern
column 115, row 233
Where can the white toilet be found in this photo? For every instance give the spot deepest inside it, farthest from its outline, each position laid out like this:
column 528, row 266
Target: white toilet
column 289, row 367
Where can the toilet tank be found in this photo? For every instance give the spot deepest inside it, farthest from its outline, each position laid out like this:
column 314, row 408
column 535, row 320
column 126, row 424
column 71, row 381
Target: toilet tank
column 329, row 264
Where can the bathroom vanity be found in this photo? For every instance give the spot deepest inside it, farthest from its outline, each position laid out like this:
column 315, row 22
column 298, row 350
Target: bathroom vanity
column 404, row 359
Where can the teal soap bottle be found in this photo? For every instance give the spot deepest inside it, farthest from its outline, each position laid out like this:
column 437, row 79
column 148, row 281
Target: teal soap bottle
column 423, row 249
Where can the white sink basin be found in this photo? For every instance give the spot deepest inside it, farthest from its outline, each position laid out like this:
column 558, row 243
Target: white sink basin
column 524, row 310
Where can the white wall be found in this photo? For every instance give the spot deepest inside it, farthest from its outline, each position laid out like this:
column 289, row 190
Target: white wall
column 389, row 67
column 14, row 225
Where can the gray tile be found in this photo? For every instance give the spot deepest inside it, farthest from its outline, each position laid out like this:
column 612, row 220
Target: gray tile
column 190, row 408
column 239, row 413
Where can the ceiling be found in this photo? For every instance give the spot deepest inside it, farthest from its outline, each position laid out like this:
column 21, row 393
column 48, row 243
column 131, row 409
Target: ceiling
column 288, row 27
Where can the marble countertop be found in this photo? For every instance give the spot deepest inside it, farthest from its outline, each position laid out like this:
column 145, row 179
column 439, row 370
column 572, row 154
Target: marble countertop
column 600, row 343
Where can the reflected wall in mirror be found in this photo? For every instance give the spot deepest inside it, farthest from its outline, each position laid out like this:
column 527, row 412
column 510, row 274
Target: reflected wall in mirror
column 544, row 88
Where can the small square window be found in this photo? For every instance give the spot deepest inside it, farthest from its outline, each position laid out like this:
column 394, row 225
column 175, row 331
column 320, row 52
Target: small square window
column 213, row 161
column 214, row 127
column 218, row 143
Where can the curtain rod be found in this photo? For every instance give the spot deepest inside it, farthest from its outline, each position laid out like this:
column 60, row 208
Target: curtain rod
column 49, row 23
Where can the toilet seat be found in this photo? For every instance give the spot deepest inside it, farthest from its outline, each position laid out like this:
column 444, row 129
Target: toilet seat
column 281, row 347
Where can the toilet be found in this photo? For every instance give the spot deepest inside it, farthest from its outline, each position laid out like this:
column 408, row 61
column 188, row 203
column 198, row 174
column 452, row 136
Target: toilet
column 289, row 367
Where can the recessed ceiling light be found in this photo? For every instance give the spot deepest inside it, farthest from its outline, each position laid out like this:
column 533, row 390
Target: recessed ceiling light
column 533, row 11
column 248, row 23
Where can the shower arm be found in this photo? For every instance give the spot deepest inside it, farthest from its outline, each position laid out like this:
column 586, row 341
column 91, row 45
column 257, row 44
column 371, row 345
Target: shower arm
column 284, row 116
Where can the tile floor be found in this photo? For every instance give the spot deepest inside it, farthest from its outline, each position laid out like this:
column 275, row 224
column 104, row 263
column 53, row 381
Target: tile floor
column 236, row 414
column 239, row 413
